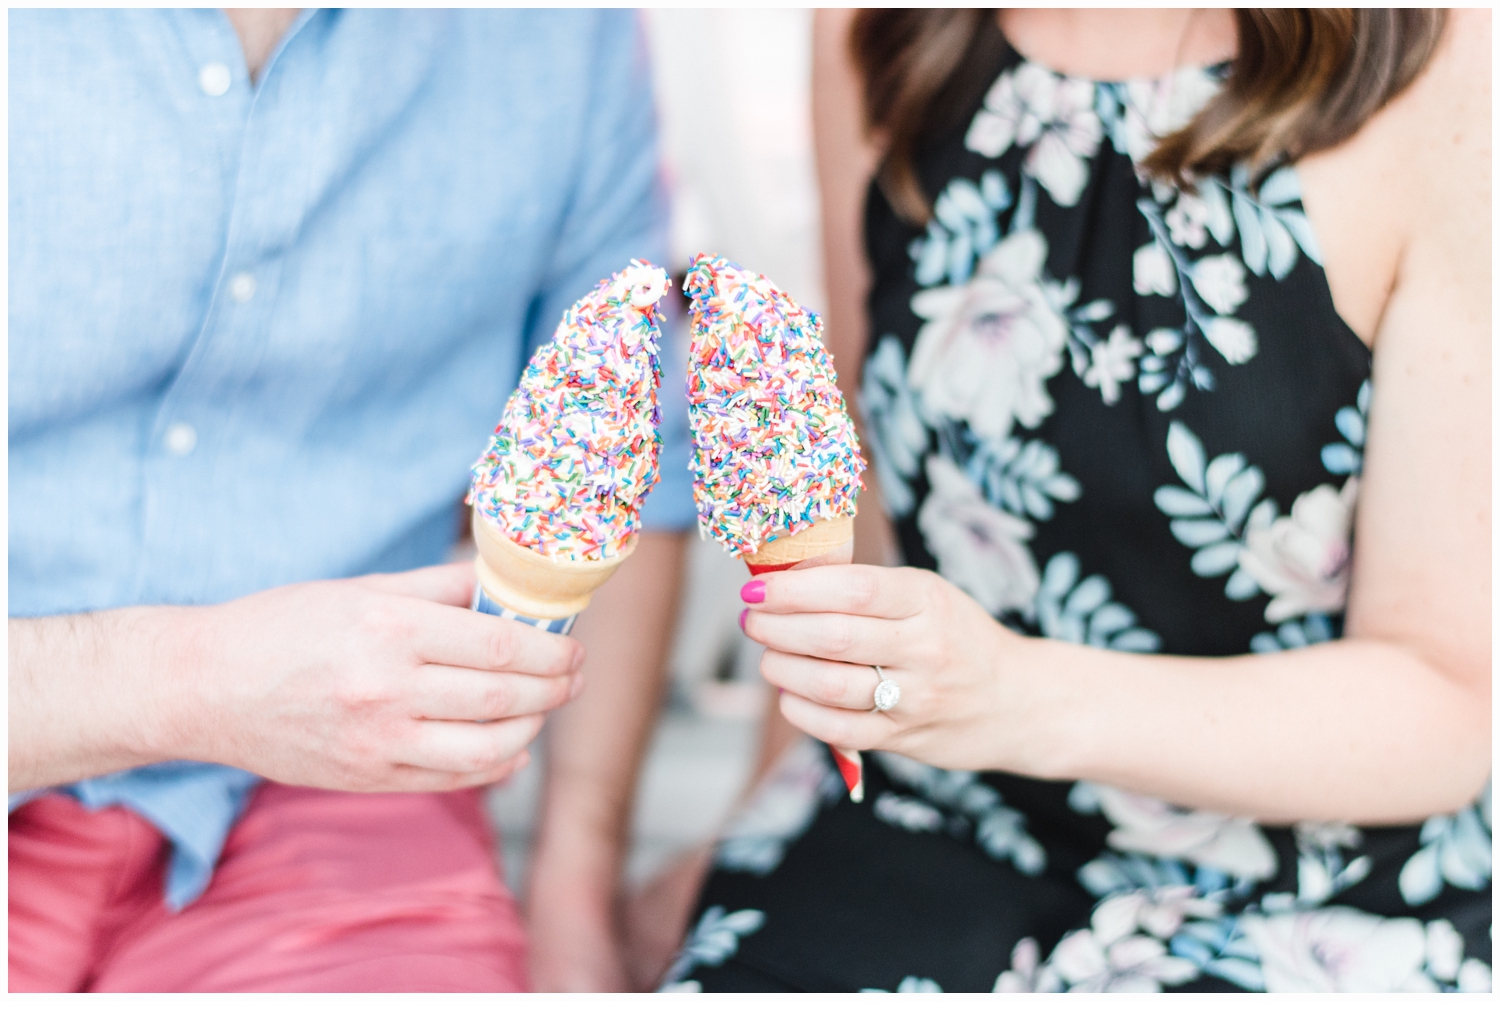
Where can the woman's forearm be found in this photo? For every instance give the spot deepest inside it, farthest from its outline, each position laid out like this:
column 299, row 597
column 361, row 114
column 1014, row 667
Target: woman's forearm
column 1351, row 730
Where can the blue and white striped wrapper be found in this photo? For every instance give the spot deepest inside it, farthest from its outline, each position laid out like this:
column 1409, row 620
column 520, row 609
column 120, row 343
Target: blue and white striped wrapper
column 484, row 605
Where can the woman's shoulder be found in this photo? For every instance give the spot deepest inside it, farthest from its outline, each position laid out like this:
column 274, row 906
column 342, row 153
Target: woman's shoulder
column 1415, row 177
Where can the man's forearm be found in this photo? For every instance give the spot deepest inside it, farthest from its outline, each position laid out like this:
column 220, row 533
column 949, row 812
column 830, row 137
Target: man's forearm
column 595, row 744
column 86, row 693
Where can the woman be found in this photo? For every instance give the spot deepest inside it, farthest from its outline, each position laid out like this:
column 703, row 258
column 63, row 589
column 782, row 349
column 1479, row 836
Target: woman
column 1127, row 276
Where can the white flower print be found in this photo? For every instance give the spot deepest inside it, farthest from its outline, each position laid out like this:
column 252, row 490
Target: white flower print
column 1302, row 560
column 1111, row 956
column 979, row 548
column 1475, row 976
column 1187, row 221
column 1054, row 114
column 1220, row 281
column 1232, row 338
column 1445, row 950
column 1152, row 271
column 1112, row 362
column 1232, row 845
column 1160, row 912
column 1155, row 108
column 1026, row 972
column 1339, row 949
column 989, row 346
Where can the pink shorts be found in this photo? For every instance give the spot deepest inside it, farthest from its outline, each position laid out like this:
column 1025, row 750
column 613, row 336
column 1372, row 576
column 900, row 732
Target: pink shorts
column 316, row 892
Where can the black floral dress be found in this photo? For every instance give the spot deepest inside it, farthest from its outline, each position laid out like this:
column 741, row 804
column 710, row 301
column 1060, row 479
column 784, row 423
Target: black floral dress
column 1125, row 415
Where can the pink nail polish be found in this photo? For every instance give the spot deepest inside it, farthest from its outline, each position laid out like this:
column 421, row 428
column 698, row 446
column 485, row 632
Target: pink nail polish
column 743, row 614
column 753, row 592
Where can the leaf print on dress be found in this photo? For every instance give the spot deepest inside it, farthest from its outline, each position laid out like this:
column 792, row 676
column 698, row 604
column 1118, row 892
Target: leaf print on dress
column 1082, row 612
column 988, row 347
column 1030, row 106
column 1322, row 869
column 1457, row 850
column 978, row 548
column 898, row 436
column 1232, row 845
column 1271, row 223
column 1216, row 509
column 713, row 941
column 999, row 830
column 1348, row 457
column 1020, row 477
column 782, row 807
column 964, row 226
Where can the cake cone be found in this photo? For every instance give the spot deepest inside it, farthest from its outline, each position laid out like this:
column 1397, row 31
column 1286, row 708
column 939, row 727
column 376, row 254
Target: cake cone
column 832, row 536
column 532, row 584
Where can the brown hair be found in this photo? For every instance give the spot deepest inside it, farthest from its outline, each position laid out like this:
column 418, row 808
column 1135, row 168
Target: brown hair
column 1304, row 79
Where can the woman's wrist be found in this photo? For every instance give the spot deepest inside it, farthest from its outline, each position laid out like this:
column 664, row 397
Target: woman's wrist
column 1043, row 684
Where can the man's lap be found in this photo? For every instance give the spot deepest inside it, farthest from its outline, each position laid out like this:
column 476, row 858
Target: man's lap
column 316, row 891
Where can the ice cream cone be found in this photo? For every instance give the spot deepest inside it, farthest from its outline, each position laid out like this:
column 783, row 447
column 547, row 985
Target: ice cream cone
column 532, row 584
column 818, row 539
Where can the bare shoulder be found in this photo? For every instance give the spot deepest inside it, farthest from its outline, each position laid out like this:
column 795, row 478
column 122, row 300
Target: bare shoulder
column 1439, row 127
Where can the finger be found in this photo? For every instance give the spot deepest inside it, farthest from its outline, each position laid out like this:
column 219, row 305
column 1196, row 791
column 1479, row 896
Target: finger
column 866, row 590
column 863, row 641
column 840, row 685
column 448, row 692
column 448, row 636
column 409, row 779
column 467, row 748
column 837, row 726
column 452, row 584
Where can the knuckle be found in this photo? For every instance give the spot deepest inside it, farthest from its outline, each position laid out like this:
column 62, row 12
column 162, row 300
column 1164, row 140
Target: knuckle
column 828, row 688
column 497, row 699
column 500, row 645
column 864, row 587
column 839, row 639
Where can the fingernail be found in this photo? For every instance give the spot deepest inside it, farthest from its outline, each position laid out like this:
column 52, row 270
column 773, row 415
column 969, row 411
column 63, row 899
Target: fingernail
column 578, row 657
column 575, row 688
column 743, row 615
column 753, row 592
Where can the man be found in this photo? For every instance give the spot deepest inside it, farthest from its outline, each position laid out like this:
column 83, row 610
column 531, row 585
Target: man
column 273, row 274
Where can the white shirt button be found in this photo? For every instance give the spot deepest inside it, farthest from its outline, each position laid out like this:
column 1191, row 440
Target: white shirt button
column 242, row 287
column 214, row 79
column 180, row 438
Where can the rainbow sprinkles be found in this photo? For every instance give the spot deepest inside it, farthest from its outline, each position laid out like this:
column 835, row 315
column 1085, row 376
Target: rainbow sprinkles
column 575, row 451
column 776, row 451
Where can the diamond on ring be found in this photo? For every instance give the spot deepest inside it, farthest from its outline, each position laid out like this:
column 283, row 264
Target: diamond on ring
column 887, row 692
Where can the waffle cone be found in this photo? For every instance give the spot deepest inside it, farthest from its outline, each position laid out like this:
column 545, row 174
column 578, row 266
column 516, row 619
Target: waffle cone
column 533, row 584
column 819, row 538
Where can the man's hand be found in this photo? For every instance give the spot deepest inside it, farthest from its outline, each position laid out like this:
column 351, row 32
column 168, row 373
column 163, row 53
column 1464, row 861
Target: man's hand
column 381, row 683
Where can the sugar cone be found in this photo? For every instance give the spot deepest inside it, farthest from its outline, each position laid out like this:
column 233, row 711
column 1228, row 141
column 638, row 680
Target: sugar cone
column 819, row 538
column 533, row 584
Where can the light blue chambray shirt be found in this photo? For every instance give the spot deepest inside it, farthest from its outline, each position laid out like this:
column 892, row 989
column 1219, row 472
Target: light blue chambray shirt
column 259, row 333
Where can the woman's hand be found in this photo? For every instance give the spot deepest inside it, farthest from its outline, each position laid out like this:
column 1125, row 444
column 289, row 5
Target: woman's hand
column 969, row 694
